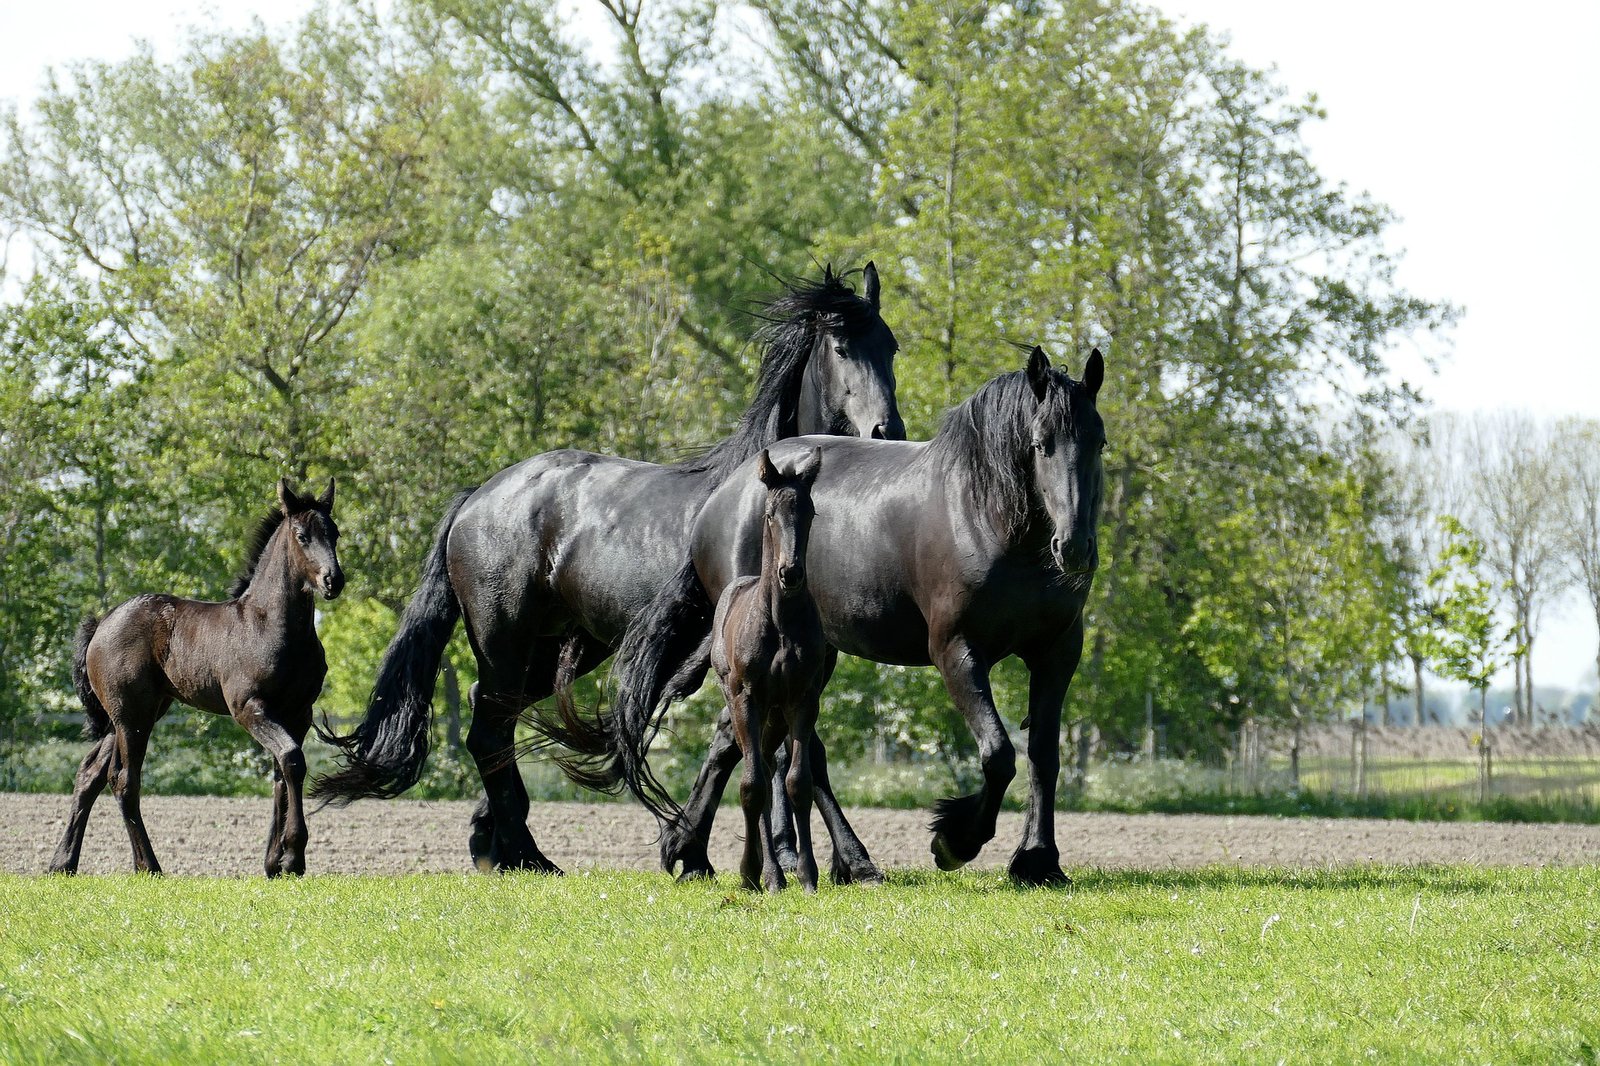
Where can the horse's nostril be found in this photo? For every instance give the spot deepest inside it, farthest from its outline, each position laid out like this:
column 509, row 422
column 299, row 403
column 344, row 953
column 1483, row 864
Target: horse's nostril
column 877, row 431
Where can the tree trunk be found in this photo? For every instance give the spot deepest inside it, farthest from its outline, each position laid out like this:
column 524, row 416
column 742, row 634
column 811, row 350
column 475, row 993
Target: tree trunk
column 1416, row 669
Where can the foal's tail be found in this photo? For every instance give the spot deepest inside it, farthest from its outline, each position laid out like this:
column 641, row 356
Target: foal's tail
column 96, row 722
column 386, row 753
column 663, row 657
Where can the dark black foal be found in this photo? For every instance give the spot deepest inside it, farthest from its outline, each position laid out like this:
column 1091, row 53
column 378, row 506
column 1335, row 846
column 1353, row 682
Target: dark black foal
column 771, row 658
column 256, row 657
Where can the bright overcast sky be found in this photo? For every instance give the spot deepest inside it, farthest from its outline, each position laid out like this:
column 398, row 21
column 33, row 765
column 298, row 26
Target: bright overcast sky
column 1479, row 130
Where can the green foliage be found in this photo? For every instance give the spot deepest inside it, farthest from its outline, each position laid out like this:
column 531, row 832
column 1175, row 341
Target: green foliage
column 1209, row 965
column 1468, row 643
column 410, row 249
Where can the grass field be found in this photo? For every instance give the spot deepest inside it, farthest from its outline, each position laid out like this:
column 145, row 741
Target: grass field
column 1362, row 964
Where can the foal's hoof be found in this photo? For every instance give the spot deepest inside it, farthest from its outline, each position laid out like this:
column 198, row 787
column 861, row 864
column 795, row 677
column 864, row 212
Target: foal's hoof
column 944, row 855
column 480, row 845
column 1038, row 867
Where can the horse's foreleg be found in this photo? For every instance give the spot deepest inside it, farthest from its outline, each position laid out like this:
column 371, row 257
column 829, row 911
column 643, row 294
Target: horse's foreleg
column 1037, row 860
column 685, row 840
column 963, row 825
column 280, row 804
column 283, row 743
column 86, row 787
column 799, row 784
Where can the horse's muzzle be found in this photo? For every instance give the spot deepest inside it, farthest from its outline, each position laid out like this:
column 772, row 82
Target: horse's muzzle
column 332, row 585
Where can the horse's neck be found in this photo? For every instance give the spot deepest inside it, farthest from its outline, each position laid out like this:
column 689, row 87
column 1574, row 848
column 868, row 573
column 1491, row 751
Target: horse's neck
column 277, row 590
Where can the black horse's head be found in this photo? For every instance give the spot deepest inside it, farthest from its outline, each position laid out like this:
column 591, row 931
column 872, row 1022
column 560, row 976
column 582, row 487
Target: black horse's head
column 312, row 539
column 1067, row 437
column 787, row 518
column 848, row 386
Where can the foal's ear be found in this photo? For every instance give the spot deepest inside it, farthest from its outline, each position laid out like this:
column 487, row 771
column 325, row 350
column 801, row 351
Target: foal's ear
column 869, row 278
column 766, row 471
column 325, row 501
column 1038, row 372
column 288, row 499
column 1094, row 373
column 805, row 471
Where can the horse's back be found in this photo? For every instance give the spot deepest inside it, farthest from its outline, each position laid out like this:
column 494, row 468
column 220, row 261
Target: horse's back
column 570, row 536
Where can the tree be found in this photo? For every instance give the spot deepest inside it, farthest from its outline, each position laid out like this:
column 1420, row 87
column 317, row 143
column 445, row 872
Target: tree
column 1468, row 643
column 1578, row 456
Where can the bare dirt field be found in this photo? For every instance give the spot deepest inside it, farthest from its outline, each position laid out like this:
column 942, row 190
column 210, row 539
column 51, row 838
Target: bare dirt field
column 226, row 836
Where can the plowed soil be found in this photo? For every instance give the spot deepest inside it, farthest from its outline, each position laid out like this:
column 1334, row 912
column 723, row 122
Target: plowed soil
column 227, row 837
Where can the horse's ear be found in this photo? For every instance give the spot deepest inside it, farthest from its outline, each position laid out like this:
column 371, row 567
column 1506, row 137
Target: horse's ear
column 869, row 278
column 325, row 501
column 827, row 274
column 806, row 469
column 1094, row 373
column 765, row 470
column 1038, row 372
column 287, row 499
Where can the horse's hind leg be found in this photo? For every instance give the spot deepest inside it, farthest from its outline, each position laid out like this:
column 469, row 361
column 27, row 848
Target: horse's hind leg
column 783, row 813
column 133, row 739
column 851, row 863
column 280, row 806
column 91, row 780
column 684, row 840
column 799, row 784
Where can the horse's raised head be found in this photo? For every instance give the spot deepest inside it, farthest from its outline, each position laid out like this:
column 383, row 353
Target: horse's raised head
column 787, row 517
column 313, row 538
column 1067, row 437
column 848, row 388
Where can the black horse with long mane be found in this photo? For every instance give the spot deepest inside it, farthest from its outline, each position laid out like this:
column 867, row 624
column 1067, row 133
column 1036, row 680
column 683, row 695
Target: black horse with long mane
column 955, row 553
column 551, row 559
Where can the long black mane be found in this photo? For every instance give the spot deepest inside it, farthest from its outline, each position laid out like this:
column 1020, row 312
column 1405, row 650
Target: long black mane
column 990, row 434
column 258, row 547
column 788, row 331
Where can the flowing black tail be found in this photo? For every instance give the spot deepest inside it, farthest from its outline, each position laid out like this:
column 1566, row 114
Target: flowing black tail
column 386, row 753
column 96, row 722
column 663, row 657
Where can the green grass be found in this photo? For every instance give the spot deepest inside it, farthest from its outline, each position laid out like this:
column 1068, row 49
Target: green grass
column 1363, row 964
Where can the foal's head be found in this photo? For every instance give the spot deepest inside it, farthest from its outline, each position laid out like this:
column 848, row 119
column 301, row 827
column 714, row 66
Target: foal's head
column 311, row 540
column 787, row 520
column 1067, row 439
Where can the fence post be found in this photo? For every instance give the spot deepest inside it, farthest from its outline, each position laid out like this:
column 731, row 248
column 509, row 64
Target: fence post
column 1294, row 755
column 1361, row 758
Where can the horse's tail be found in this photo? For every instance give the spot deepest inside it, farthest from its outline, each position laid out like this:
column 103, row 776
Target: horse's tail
column 386, row 753
column 96, row 722
column 663, row 657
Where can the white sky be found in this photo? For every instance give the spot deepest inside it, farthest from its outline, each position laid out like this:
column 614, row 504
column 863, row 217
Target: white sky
column 1482, row 131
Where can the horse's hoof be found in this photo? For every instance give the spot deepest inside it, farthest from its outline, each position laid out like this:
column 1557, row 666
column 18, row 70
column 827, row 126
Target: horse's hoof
column 788, row 861
column 943, row 857
column 696, row 873
column 858, row 873
column 1039, row 867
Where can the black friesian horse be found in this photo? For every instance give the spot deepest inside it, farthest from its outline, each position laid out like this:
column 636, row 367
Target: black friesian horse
column 550, row 561
column 957, row 552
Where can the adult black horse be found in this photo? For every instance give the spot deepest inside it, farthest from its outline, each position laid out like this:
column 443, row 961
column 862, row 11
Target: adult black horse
column 956, row 553
column 550, row 560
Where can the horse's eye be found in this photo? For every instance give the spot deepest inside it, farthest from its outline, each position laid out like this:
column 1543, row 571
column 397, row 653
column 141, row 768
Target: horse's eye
column 300, row 535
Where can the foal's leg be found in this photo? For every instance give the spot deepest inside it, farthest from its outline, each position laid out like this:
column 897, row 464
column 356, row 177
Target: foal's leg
column 756, row 865
column 799, row 785
column 92, row 775
column 964, row 824
column 283, row 742
column 280, row 805
column 133, row 739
